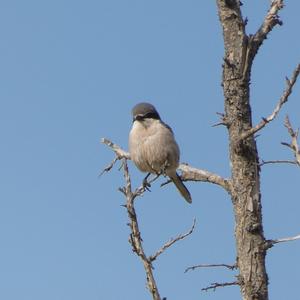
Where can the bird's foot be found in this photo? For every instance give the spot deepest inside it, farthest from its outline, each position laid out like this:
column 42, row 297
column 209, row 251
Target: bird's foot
column 146, row 184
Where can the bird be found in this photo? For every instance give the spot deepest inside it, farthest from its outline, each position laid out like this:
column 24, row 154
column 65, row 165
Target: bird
column 153, row 148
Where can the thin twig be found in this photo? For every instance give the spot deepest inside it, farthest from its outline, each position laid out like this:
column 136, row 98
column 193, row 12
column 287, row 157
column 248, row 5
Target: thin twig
column 294, row 143
column 283, row 99
column 230, row 267
column 215, row 285
column 109, row 167
column 293, row 238
column 172, row 241
column 117, row 149
column 271, row 243
column 223, row 120
column 120, row 154
column 277, row 162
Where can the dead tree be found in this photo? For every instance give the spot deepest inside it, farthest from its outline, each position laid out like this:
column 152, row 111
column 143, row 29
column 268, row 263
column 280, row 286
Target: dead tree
column 240, row 51
column 244, row 184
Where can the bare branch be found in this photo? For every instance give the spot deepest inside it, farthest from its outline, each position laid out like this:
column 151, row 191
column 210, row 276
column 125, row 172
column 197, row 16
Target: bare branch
column 294, row 143
column 109, row 167
column 135, row 236
column 219, row 124
column 270, row 21
column 215, row 285
column 230, row 267
column 172, row 241
column 120, row 153
column 283, row 99
column 253, row 42
column 223, row 120
column 188, row 173
column 277, row 162
column 271, row 243
column 293, row 238
column 193, row 174
column 294, row 146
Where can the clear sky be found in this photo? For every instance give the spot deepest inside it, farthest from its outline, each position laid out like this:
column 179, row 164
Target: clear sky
column 70, row 73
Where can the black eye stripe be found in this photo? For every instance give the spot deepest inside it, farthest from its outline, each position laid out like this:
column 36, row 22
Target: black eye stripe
column 151, row 115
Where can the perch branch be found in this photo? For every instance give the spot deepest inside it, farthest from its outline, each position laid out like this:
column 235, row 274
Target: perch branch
column 171, row 242
column 283, row 99
column 188, row 173
column 193, row 174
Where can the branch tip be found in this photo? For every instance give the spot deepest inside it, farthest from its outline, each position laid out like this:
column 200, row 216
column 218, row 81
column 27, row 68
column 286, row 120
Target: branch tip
column 172, row 242
column 283, row 99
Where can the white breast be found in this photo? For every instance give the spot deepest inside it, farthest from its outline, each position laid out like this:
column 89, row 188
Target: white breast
column 152, row 147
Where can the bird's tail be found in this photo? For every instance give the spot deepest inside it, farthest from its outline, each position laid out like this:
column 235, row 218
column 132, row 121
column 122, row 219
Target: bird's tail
column 181, row 188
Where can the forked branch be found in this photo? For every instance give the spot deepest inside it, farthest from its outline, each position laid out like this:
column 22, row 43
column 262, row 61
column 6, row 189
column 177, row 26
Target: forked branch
column 271, row 20
column 135, row 238
column 283, row 99
column 293, row 145
column 255, row 41
column 172, row 241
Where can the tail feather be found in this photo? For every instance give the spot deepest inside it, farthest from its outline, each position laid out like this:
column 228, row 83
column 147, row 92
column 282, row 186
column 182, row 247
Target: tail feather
column 181, row 188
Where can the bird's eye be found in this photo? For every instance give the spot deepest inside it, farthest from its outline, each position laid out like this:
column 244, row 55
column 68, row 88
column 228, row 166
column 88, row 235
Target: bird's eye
column 139, row 117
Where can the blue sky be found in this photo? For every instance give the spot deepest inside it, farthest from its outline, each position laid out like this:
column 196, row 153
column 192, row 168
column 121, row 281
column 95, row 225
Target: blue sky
column 70, row 73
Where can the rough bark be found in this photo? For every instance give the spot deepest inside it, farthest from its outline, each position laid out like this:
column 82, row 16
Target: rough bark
column 246, row 198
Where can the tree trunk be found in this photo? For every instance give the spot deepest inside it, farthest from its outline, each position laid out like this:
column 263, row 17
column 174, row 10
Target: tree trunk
column 250, row 241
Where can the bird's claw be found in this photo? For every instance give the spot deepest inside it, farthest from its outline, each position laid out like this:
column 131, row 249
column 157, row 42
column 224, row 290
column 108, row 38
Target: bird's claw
column 146, row 185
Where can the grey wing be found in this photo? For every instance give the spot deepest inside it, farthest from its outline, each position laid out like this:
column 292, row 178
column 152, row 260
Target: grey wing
column 167, row 126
